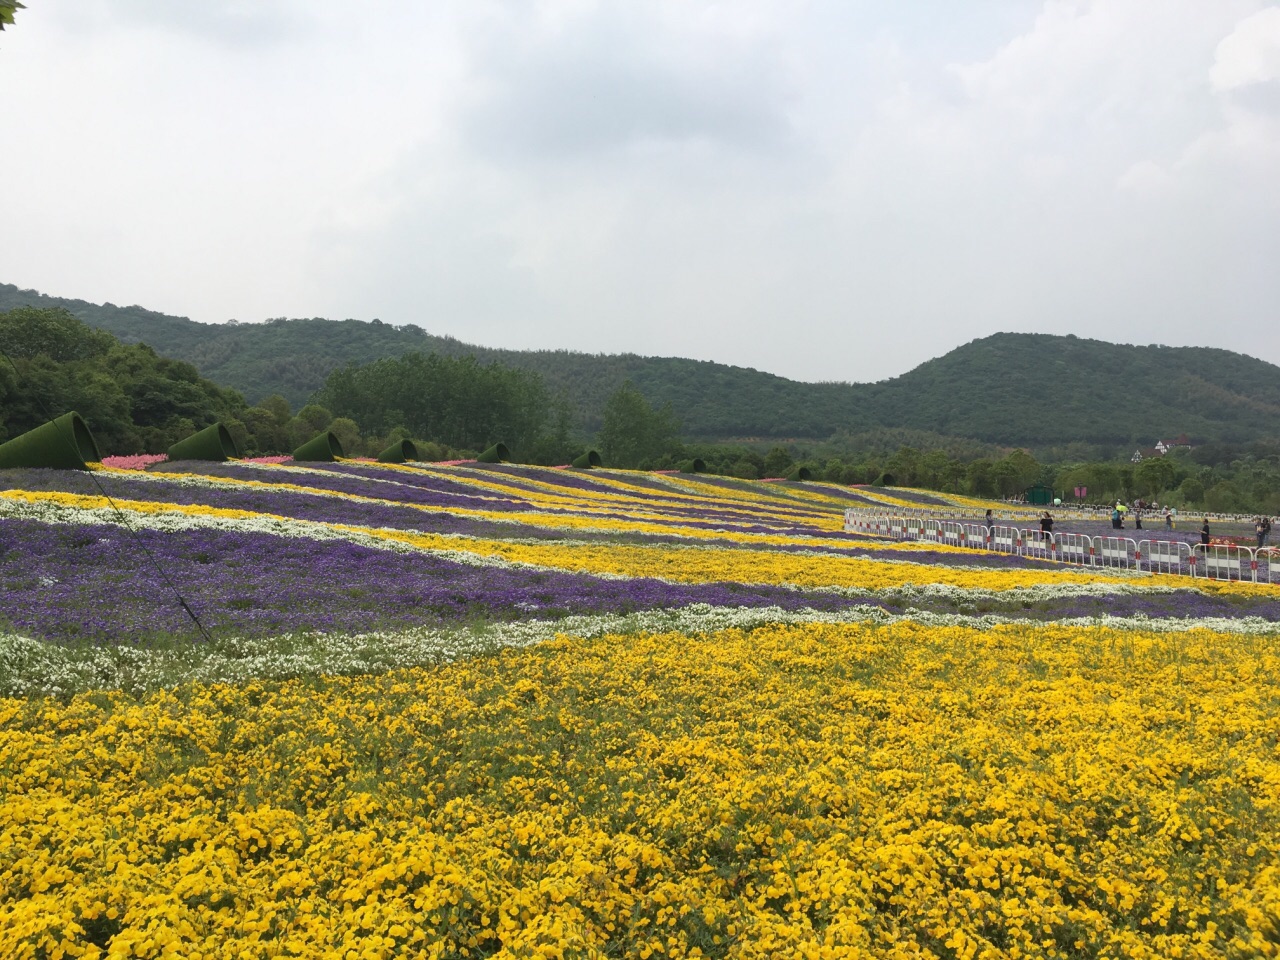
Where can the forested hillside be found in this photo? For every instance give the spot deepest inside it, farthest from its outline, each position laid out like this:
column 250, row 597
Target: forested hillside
column 133, row 399
column 1010, row 389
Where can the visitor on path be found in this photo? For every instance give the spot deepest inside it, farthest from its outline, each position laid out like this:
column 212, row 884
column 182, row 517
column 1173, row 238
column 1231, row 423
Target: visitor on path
column 989, row 521
column 1257, row 529
column 1137, row 520
column 1204, row 532
column 1116, row 519
column 1046, row 526
column 1168, row 519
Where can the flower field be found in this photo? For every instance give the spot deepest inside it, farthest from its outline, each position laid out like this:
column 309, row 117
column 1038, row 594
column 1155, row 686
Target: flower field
column 451, row 711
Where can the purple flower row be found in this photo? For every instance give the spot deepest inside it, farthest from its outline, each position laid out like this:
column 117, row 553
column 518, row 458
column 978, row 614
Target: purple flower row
column 104, row 584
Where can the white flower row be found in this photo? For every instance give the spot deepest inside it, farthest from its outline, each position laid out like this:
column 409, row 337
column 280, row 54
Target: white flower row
column 30, row 667
column 1032, row 594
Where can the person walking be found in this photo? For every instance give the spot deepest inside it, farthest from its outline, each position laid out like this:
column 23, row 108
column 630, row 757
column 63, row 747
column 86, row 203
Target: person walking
column 1168, row 519
column 1046, row 526
column 1259, row 531
column 1137, row 519
column 989, row 521
column 1204, row 532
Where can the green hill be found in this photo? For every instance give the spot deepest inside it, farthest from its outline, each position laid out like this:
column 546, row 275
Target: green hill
column 1011, row 389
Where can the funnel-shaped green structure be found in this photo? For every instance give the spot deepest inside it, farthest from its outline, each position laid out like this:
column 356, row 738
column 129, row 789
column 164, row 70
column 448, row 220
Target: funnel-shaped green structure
column 800, row 473
column 588, row 460
column 322, row 448
column 399, row 452
column 62, row 444
column 696, row 465
column 495, row 454
column 211, row 443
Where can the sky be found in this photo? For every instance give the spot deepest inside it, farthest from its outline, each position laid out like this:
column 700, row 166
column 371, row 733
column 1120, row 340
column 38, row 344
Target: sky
column 822, row 190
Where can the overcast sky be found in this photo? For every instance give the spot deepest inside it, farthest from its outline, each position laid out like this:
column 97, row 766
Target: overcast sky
column 824, row 190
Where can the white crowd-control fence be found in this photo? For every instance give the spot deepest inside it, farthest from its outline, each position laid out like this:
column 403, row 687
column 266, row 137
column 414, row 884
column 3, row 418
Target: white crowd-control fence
column 1214, row 561
column 1066, row 511
column 1166, row 556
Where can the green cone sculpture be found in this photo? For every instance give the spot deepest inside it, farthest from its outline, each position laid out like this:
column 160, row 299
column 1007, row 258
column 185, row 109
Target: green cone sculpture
column 495, row 454
column 211, row 443
column 588, row 460
column 696, row 465
column 800, row 473
column 64, row 443
column 322, row 448
column 399, row 452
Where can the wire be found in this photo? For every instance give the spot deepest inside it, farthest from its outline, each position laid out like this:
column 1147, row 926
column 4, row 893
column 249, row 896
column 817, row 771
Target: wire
column 123, row 517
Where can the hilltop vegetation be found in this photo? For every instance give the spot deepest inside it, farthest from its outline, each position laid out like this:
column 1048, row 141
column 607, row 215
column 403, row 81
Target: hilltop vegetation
column 137, row 401
column 1008, row 389
column 133, row 399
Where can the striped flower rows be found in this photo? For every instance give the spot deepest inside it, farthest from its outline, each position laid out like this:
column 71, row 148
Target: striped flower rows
column 456, row 711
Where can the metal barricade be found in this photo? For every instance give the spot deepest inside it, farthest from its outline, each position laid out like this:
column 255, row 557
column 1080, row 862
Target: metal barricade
column 1165, row 556
column 915, row 528
column 975, row 536
column 1222, row 562
column 1004, row 539
column 1034, row 543
column 952, row 533
column 933, row 531
column 1074, row 548
column 1117, row 552
column 898, row 528
column 1268, row 564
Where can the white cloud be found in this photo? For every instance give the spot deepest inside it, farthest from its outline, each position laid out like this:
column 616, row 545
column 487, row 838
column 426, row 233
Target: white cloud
column 1250, row 54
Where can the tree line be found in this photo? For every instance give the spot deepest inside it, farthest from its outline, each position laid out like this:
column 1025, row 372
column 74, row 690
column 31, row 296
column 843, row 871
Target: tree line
column 137, row 401
column 1066, row 398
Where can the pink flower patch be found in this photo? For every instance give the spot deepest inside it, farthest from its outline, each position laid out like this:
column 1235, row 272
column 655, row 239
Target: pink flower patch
column 137, row 461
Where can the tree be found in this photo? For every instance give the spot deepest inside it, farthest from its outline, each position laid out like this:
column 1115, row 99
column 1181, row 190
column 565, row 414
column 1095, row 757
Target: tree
column 1224, row 497
column 315, row 416
column 454, row 401
column 777, row 462
column 980, row 477
column 932, row 469
column 348, row 434
column 263, row 434
column 278, row 406
column 1154, row 476
column 1006, row 478
column 634, row 432
column 133, row 399
column 6, row 11
column 1192, row 490
column 29, row 332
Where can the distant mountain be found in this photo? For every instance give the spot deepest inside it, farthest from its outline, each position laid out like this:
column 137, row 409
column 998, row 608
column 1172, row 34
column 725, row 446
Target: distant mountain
column 1009, row 388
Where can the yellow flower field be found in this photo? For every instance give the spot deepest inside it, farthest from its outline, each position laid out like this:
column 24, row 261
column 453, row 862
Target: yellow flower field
column 808, row 791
